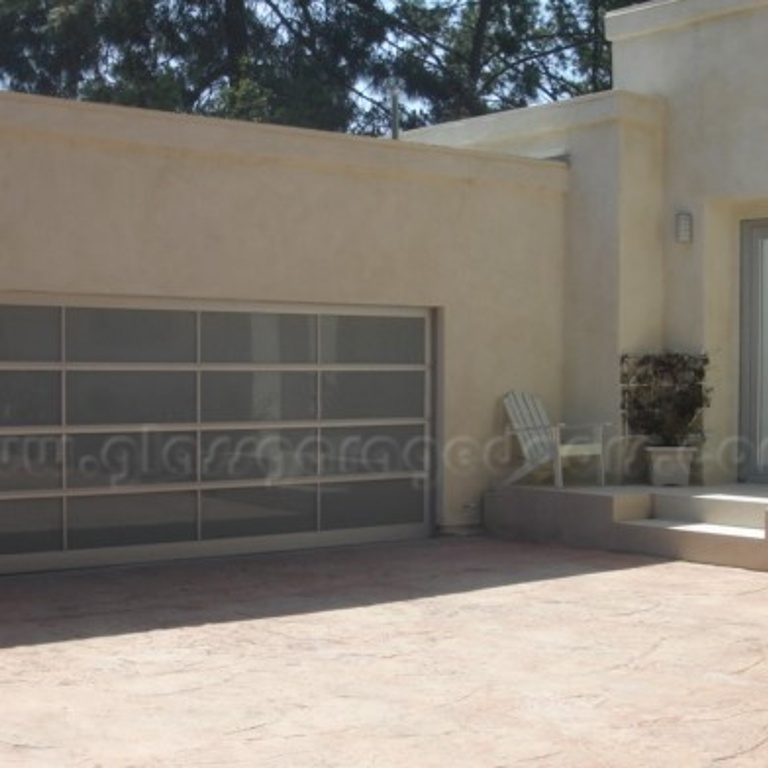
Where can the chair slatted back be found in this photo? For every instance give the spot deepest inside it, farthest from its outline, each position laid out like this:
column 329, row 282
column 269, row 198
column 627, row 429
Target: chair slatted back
column 533, row 428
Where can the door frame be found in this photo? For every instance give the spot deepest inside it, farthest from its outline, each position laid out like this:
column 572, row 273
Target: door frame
column 753, row 394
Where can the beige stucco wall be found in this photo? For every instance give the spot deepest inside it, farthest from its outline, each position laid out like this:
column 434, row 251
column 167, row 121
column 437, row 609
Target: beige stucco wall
column 103, row 201
column 613, row 298
column 707, row 60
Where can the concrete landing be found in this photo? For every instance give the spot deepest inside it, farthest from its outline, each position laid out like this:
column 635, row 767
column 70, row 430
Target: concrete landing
column 719, row 526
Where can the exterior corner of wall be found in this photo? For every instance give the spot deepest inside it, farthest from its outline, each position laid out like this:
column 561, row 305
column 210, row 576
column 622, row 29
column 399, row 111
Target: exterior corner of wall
column 642, row 170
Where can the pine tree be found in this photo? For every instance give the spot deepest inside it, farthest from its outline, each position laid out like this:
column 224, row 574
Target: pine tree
column 316, row 63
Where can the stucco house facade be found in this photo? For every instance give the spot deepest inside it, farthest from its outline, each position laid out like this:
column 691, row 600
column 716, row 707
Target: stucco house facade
column 225, row 338
column 682, row 132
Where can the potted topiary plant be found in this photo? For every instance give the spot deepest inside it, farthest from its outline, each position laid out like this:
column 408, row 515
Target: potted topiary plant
column 663, row 398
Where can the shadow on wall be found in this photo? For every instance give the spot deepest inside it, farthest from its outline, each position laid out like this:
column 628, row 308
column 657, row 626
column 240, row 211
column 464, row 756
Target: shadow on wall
column 47, row 608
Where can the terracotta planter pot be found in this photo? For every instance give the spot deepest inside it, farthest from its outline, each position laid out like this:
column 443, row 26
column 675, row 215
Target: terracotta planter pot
column 670, row 465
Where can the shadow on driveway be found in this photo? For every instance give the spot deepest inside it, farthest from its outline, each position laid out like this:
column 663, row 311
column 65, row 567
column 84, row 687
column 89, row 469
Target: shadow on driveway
column 55, row 607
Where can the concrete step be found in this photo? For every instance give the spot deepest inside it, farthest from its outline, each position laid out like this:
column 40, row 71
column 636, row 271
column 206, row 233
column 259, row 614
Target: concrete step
column 718, row 509
column 738, row 531
column 733, row 545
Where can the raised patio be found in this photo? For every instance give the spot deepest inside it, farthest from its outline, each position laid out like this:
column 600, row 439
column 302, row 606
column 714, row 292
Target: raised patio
column 719, row 525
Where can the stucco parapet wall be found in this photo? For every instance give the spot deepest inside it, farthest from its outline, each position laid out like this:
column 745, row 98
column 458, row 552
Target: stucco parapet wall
column 652, row 18
column 618, row 107
column 112, row 127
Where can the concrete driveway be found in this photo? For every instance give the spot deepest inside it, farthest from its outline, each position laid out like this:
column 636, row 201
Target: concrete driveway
column 468, row 652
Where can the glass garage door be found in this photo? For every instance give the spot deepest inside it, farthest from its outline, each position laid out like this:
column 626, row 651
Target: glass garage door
column 127, row 433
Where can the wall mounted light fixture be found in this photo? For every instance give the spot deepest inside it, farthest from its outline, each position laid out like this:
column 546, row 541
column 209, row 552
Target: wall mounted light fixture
column 684, row 227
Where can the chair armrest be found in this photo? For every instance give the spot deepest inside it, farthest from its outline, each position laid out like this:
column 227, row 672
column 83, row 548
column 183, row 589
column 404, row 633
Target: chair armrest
column 597, row 429
column 553, row 429
column 512, row 431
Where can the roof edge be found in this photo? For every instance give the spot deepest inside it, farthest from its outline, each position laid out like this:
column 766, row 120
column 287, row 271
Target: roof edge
column 152, row 131
column 655, row 17
column 607, row 107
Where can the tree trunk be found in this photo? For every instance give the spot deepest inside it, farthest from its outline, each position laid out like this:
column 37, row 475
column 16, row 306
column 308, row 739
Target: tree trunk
column 475, row 68
column 236, row 39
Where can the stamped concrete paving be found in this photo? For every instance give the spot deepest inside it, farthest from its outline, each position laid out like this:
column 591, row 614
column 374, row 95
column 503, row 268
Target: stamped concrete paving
column 467, row 652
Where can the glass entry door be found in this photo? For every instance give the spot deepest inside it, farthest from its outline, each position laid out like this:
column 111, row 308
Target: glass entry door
column 754, row 351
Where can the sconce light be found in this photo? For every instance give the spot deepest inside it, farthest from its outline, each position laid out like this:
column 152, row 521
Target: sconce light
column 684, row 227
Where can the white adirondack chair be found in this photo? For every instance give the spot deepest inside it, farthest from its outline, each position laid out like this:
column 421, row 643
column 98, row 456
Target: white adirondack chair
column 541, row 441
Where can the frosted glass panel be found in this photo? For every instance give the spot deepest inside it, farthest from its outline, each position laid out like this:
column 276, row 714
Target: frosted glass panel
column 360, row 395
column 30, row 398
column 30, row 462
column 372, row 449
column 258, row 396
column 240, row 337
column 353, row 339
column 131, row 336
column 30, row 526
column 123, row 397
column 114, row 521
column 238, row 454
column 359, row 505
column 30, row 334
column 131, row 459
column 258, row 511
